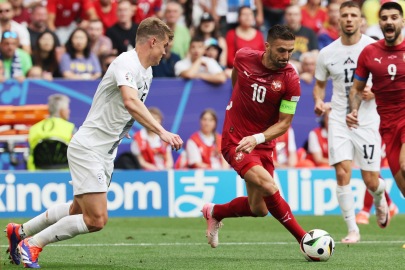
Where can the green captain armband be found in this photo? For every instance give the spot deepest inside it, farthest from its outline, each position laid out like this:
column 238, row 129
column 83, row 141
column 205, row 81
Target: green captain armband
column 288, row 106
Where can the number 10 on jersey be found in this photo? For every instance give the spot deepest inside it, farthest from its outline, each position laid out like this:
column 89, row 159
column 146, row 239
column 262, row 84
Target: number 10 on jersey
column 259, row 92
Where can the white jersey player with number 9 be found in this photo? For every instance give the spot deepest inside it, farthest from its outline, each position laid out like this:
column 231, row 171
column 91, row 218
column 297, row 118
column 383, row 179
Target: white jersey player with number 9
column 363, row 145
column 117, row 103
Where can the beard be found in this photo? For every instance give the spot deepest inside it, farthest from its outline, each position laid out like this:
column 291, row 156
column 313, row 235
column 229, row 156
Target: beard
column 276, row 63
column 347, row 33
column 397, row 32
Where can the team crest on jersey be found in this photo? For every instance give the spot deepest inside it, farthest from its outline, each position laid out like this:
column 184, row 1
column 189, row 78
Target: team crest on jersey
column 129, row 77
column 348, row 61
column 239, row 157
column 276, row 85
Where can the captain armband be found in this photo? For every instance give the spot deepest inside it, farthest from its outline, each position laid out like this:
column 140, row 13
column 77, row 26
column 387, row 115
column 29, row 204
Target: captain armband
column 288, row 107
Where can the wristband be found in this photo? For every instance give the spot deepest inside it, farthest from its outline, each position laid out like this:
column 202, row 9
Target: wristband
column 259, row 138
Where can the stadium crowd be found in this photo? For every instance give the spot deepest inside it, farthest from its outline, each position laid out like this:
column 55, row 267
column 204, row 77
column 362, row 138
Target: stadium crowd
column 79, row 39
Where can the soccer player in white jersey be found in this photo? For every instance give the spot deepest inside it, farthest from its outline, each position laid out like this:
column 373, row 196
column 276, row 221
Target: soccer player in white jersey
column 339, row 61
column 117, row 103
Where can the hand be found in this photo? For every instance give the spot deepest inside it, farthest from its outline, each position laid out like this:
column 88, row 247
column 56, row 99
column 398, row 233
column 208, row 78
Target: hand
column 20, row 79
column 246, row 145
column 319, row 107
column 307, row 77
column 103, row 50
column 173, row 139
column 351, row 120
column 129, row 137
column 367, row 94
column 47, row 76
column 259, row 20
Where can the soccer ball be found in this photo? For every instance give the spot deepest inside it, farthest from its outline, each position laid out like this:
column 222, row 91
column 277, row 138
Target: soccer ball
column 317, row 245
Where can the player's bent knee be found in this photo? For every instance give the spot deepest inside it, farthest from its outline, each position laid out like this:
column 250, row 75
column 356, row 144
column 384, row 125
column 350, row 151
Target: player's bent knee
column 95, row 224
column 261, row 212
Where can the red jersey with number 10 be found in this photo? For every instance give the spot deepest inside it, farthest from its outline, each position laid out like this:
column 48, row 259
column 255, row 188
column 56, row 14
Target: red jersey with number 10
column 387, row 65
column 256, row 97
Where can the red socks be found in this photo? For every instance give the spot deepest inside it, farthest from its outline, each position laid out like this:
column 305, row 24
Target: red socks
column 368, row 201
column 280, row 210
column 238, row 207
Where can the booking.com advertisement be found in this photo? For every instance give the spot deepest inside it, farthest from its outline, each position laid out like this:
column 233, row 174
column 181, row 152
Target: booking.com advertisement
column 180, row 193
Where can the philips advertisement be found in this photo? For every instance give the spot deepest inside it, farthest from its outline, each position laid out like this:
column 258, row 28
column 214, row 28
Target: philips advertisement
column 181, row 193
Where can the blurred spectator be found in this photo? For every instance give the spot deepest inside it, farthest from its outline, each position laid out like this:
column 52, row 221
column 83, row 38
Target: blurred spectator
column 203, row 148
column 79, row 62
column 285, row 151
column 2, row 77
column 123, row 33
column 153, row 154
column 313, row 15
column 63, row 13
column 16, row 61
column 212, row 49
column 56, row 126
column 44, row 56
column 363, row 25
column 191, row 14
column 308, row 64
column 218, row 9
column 20, row 14
column 107, row 62
column 318, row 141
column 35, row 73
column 273, row 11
column 107, row 12
column 100, row 44
column 148, row 8
column 37, row 26
column 234, row 10
column 166, row 65
column 207, row 30
column 7, row 24
column 181, row 41
column 244, row 35
column 305, row 38
column 197, row 66
column 330, row 31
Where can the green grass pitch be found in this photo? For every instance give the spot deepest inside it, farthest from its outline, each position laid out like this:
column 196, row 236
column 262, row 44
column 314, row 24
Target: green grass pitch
column 247, row 243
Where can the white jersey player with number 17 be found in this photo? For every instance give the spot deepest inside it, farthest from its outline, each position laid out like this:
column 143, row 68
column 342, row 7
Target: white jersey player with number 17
column 117, row 103
column 363, row 145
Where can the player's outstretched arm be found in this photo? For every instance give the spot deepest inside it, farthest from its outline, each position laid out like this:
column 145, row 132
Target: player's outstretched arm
column 355, row 98
column 247, row 144
column 234, row 76
column 142, row 115
column 319, row 96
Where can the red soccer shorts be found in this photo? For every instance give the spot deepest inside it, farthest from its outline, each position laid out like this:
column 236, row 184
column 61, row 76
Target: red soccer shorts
column 242, row 162
column 393, row 140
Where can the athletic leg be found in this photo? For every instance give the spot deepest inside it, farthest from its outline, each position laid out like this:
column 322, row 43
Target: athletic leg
column 400, row 175
column 363, row 216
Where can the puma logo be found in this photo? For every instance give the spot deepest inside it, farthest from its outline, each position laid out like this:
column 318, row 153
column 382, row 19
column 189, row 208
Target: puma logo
column 378, row 60
column 247, row 75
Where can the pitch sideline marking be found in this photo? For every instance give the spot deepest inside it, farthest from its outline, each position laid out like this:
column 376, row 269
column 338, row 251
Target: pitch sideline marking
column 200, row 244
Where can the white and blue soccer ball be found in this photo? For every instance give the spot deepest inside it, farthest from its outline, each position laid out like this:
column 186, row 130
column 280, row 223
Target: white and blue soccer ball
column 317, row 246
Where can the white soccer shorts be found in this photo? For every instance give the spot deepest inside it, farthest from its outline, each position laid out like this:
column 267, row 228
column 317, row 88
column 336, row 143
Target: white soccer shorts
column 361, row 144
column 91, row 173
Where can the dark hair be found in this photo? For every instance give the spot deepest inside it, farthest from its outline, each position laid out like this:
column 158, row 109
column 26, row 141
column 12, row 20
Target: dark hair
column 391, row 5
column 215, row 33
column 280, row 32
column 49, row 64
column 349, row 4
column 188, row 12
column 33, row 8
column 72, row 51
column 241, row 8
column 197, row 39
column 214, row 115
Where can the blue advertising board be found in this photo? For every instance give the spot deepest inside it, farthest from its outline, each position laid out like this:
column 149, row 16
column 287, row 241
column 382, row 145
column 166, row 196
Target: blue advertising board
column 181, row 193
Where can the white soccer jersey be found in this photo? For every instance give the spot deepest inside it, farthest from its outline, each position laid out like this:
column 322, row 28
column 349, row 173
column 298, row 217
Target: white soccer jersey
column 108, row 121
column 339, row 62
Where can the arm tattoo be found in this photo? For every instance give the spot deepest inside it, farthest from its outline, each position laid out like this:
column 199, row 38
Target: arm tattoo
column 355, row 101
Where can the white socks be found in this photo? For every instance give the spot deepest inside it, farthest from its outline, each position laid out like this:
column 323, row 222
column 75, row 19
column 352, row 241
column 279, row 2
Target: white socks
column 44, row 220
column 66, row 228
column 379, row 193
column 346, row 202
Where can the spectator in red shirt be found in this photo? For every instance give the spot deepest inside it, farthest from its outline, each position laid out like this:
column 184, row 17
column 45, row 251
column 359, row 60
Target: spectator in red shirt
column 244, row 35
column 313, row 15
column 148, row 8
column 107, row 12
column 330, row 30
column 66, row 12
column 21, row 14
column 318, row 141
column 273, row 11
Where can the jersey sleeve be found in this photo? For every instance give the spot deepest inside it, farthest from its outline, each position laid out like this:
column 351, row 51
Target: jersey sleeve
column 123, row 74
column 362, row 72
column 240, row 56
column 321, row 72
column 293, row 87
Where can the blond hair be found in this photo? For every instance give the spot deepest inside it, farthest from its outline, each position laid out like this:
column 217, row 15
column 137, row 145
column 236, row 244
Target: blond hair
column 153, row 27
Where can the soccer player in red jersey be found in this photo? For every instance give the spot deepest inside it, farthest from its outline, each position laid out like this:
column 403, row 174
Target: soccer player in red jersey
column 266, row 90
column 385, row 60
